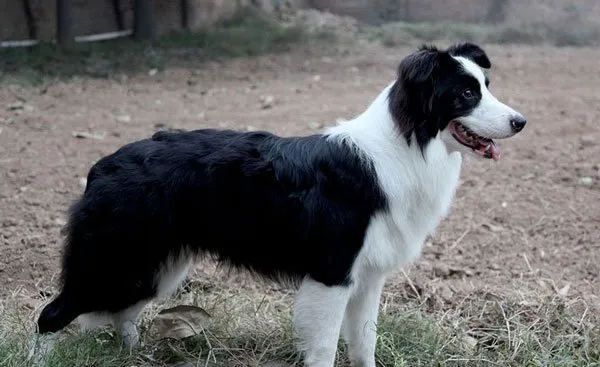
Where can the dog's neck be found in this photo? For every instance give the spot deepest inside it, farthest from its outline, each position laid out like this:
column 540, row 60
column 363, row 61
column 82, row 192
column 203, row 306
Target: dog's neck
column 419, row 185
column 377, row 135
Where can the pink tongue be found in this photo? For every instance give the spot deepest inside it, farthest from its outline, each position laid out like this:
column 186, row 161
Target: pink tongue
column 495, row 150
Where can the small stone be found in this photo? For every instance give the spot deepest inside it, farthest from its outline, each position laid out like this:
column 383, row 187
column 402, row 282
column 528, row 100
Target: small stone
column 83, row 182
column 250, row 128
column 59, row 221
column 317, row 78
column 492, row 227
column 153, row 72
column 86, row 135
column 586, row 181
column 18, row 105
column 10, row 223
column 123, row 118
column 266, row 101
column 504, row 204
column 528, row 176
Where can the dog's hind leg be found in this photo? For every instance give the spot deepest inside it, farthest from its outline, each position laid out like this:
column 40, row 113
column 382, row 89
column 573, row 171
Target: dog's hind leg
column 167, row 280
column 125, row 323
column 318, row 315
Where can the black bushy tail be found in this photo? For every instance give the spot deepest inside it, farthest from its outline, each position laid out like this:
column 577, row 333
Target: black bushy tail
column 56, row 315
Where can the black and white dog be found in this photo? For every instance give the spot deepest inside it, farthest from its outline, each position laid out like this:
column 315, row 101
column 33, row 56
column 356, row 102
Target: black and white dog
column 337, row 212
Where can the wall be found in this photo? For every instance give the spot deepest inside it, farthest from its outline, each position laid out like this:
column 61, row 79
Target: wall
column 97, row 16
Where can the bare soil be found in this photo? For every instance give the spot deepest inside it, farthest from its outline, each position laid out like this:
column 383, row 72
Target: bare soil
column 526, row 225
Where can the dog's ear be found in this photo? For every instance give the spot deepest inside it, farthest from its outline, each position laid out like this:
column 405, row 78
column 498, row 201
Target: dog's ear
column 418, row 67
column 411, row 97
column 473, row 52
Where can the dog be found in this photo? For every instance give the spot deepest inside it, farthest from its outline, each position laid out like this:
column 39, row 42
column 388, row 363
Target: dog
column 334, row 212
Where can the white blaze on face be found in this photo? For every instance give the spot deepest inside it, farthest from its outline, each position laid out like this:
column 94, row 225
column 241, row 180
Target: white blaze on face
column 491, row 118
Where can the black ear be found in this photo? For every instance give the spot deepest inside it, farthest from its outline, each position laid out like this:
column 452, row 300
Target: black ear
column 411, row 96
column 472, row 52
column 418, row 67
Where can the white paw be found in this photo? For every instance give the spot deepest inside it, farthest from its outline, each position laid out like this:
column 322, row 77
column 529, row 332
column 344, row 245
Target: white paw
column 129, row 334
column 40, row 347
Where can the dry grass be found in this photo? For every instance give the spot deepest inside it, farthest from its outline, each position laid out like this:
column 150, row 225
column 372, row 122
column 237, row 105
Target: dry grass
column 481, row 330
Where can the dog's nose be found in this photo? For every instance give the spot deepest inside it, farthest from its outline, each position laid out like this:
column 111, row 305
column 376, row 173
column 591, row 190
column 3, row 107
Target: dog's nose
column 518, row 123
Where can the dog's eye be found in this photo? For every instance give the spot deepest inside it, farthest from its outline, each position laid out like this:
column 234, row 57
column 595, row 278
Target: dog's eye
column 468, row 94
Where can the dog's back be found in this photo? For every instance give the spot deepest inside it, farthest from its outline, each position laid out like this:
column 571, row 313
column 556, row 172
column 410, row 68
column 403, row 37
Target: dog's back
column 253, row 200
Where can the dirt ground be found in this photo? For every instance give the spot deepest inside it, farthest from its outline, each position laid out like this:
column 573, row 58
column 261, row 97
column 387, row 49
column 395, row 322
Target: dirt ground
column 525, row 225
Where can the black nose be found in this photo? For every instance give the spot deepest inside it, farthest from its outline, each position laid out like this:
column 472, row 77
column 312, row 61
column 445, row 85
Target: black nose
column 518, row 123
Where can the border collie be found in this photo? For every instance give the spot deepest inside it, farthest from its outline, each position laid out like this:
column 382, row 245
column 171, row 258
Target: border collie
column 336, row 212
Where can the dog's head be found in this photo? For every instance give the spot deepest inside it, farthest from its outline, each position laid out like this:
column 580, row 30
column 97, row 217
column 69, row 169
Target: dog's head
column 446, row 92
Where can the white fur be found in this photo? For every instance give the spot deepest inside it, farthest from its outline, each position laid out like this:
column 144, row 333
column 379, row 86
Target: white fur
column 318, row 317
column 491, row 118
column 172, row 275
column 420, row 188
column 359, row 328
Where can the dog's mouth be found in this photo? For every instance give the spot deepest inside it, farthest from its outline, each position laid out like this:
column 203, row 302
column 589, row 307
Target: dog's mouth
column 481, row 146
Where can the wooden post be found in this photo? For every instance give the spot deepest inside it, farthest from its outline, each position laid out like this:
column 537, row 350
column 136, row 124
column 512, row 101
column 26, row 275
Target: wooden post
column 64, row 23
column 184, row 6
column 32, row 30
column 144, row 27
column 118, row 14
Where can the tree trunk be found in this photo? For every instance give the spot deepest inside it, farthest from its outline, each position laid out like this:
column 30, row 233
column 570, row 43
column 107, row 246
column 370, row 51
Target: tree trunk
column 184, row 6
column 144, row 27
column 64, row 23
column 118, row 14
column 32, row 30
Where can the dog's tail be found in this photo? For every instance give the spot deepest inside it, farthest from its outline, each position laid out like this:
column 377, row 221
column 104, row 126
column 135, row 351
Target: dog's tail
column 56, row 315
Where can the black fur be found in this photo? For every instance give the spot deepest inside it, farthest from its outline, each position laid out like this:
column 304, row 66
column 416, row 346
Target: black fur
column 427, row 93
column 280, row 207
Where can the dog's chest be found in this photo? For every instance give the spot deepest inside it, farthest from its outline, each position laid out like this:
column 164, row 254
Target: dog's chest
column 419, row 198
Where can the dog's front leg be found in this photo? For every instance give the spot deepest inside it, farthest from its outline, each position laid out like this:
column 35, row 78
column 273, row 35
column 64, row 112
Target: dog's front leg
column 360, row 322
column 318, row 315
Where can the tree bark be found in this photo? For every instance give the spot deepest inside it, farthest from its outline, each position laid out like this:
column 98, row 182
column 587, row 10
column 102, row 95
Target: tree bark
column 144, row 23
column 64, row 23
